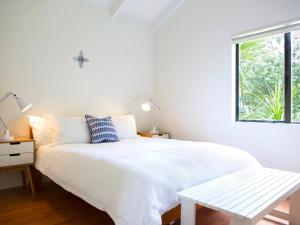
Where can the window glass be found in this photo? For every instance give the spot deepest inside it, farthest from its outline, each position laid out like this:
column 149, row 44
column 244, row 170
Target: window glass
column 261, row 79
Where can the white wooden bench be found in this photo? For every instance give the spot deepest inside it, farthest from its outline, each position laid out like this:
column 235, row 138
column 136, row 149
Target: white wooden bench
column 246, row 196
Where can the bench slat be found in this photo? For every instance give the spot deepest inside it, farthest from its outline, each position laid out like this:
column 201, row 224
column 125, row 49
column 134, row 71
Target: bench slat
column 229, row 178
column 257, row 197
column 269, row 198
column 235, row 197
column 218, row 184
column 226, row 192
column 247, row 194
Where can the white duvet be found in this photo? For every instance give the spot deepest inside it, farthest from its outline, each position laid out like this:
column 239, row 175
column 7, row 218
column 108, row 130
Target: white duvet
column 135, row 180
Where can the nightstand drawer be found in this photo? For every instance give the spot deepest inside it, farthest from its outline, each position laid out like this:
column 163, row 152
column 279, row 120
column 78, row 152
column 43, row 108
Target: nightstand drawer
column 16, row 159
column 16, row 147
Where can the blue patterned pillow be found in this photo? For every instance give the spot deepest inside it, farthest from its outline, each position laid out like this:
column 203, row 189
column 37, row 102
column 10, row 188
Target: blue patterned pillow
column 101, row 129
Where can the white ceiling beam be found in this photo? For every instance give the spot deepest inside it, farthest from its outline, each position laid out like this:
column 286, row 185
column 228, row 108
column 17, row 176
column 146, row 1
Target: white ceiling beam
column 167, row 13
column 116, row 7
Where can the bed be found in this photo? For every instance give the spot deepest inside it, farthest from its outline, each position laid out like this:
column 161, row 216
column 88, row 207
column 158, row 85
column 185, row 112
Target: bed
column 136, row 180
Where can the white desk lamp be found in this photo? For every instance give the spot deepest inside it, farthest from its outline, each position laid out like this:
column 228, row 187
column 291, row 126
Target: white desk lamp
column 147, row 106
column 23, row 105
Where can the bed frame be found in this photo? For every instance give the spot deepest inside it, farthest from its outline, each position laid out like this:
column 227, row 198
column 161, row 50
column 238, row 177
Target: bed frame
column 167, row 218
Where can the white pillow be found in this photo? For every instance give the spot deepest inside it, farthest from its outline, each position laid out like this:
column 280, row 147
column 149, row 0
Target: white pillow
column 125, row 126
column 67, row 130
column 40, row 130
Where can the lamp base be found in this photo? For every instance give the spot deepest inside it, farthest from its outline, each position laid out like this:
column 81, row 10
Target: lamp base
column 154, row 130
column 5, row 136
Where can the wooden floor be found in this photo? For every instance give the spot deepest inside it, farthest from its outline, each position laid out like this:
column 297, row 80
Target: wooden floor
column 54, row 206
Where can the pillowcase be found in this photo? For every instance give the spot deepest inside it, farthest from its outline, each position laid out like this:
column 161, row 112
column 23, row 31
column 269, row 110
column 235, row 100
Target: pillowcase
column 101, row 129
column 40, row 130
column 67, row 130
column 125, row 126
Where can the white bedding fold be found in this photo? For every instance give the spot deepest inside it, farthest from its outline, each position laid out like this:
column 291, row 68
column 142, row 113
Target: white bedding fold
column 135, row 180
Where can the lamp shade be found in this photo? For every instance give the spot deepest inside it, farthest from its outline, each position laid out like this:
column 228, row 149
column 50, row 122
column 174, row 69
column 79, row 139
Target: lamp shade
column 146, row 106
column 23, row 103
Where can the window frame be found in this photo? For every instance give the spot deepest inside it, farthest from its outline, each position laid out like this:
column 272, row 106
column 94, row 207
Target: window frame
column 287, row 83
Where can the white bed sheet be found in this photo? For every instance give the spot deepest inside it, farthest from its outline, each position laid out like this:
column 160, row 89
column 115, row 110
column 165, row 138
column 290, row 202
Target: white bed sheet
column 135, row 180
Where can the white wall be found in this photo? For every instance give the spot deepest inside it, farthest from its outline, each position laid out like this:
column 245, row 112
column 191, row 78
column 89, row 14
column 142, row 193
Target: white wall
column 38, row 40
column 194, row 79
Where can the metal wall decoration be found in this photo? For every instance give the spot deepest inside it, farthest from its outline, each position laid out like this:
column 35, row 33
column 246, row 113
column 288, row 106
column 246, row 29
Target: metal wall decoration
column 81, row 59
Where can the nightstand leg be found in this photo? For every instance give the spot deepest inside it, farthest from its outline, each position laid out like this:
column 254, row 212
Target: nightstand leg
column 30, row 180
column 23, row 178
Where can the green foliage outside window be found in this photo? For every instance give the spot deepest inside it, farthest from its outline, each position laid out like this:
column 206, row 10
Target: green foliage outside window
column 261, row 79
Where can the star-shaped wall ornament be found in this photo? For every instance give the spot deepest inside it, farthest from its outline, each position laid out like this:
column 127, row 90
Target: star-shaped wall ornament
column 81, row 59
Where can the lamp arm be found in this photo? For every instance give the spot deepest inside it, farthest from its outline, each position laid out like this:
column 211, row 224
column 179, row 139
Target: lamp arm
column 157, row 109
column 154, row 104
column 7, row 95
column 4, row 124
column 1, row 100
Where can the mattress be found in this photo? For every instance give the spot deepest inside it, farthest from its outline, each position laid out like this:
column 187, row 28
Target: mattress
column 136, row 180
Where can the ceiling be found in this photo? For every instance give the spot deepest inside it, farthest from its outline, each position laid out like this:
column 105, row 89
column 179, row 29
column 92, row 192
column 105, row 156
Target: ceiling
column 156, row 12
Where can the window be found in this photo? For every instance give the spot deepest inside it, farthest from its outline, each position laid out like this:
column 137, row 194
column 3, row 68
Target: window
column 268, row 78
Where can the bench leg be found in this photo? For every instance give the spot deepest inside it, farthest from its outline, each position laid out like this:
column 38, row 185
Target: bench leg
column 295, row 209
column 237, row 221
column 188, row 212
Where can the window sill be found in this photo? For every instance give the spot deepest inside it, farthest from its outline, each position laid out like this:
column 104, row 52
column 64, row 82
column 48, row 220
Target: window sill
column 264, row 122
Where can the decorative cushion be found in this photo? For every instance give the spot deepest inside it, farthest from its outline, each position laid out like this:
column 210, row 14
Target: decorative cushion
column 101, row 129
column 125, row 126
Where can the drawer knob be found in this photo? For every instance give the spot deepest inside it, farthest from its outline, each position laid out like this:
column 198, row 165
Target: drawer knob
column 15, row 143
column 16, row 154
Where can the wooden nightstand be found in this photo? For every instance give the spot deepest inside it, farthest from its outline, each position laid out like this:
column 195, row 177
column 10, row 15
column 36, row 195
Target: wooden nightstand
column 18, row 155
column 163, row 135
